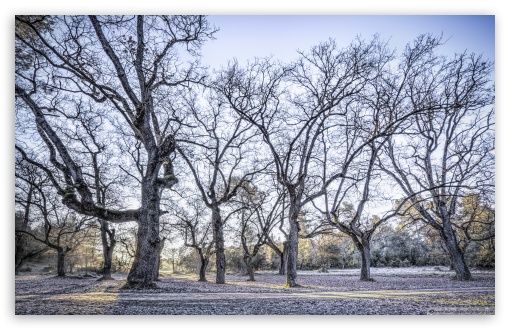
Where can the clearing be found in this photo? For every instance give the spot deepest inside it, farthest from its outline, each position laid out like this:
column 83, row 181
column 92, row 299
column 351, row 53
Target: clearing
column 416, row 290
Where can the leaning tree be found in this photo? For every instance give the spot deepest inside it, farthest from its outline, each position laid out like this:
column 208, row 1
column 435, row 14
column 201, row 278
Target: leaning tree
column 358, row 136
column 129, row 69
column 448, row 151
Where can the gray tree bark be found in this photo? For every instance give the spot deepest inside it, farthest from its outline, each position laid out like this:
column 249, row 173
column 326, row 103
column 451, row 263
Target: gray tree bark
column 292, row 257
column 365, row 260
column 284, row 256
column 108, row 243
column 144, row 270
column 204, row 262
column 457, row 260
column 249, row 267
column 61, row 258
column 219, row 244
column 160, row 250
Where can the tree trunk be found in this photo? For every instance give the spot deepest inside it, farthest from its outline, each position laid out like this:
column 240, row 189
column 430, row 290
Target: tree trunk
column 61, row 257
column 20, row 243
column 17, row 267
column 108, row 247
column 281, row 254
column 249, row 267
column 460, row 267
column 203, row 268
column 365, row 260
column 144, row 270
column 445, row 249
column 283, row 264
column 219, row 245
column 284, row 256
column 21, row 240
column 292, row 248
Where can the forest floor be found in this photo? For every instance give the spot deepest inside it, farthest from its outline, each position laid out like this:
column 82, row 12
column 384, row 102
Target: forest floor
column 414, row 290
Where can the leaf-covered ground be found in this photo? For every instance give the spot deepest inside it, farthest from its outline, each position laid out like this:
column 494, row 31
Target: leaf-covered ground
column 427, row 290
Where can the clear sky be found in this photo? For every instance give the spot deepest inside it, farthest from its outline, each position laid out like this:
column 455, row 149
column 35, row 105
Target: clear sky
column 246, row 36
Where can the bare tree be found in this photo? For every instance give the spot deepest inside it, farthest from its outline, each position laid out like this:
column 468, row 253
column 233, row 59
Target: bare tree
column 351, row 219
column 62, row 230
column 126, row 239
column 292, row 107
column 92, row 139
column 221, row 159
column 197, row 231
column 129, row 69
column 25, row 195
column 271, row 213
column 475, row 221
column 448, row 152
column 172, row 256
column 261, row 211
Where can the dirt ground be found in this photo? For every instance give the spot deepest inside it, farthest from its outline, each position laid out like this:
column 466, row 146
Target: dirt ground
column 424, row 290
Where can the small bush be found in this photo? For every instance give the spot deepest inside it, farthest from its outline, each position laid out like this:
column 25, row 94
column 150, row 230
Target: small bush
column 48, row 269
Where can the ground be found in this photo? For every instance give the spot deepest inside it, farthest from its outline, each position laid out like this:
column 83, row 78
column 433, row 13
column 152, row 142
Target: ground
column 423, row 290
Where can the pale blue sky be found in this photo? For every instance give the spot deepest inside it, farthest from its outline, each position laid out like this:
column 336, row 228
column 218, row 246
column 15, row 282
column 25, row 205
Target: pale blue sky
column 246, row 36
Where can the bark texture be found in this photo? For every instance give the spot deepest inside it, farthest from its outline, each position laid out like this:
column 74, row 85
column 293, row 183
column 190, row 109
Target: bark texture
column 204, row 262
column 292, row 258
column 144, row 270
column 249, row 267
column 365, row 260
column 219, row 245
column 284, row 256
column 61, row 258
column 108, row 243
column 458, row 263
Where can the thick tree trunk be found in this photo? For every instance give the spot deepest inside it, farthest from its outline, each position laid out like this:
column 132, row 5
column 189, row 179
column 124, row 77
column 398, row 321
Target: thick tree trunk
column 204, row 262
column 445, row 249
column 365, row 260
column 249, row 267
column 457, row 260
column 292, row 258
column 144, row 270
column 363, row 246
column 61, row 258
column 219, row 245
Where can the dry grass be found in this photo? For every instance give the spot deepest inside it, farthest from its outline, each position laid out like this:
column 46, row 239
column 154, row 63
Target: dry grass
column 394, row 291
